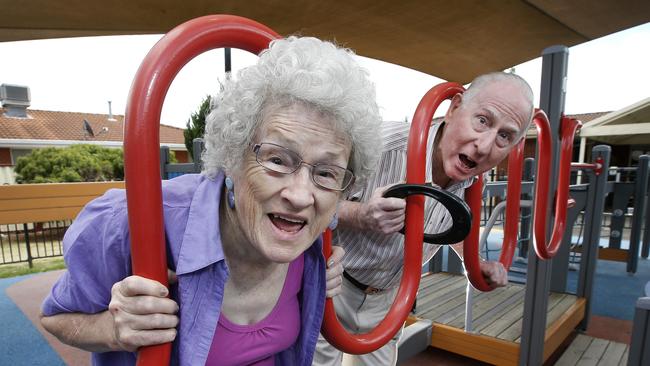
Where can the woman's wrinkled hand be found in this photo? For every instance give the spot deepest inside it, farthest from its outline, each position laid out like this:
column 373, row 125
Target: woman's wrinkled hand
column 334, row 273
column 142, row 313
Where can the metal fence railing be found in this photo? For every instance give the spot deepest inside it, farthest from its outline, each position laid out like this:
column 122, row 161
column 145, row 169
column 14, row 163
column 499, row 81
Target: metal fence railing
column 22, row 243
column 34, row 217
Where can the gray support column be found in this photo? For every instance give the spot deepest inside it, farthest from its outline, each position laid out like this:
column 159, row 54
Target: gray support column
column 640, row 190
column 623, row 191
column 645, row 251
column 164, row 160
column 640, row 343
column 553, row 90
column 560, row 267
column 435, row 264
column 593, row 218
column 227, row 60
column 526, row 212
column 197, row 149
column 454, row 264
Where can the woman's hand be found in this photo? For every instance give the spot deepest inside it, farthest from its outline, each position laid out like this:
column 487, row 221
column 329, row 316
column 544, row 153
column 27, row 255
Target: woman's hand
column 334, row 272
column 142, row 313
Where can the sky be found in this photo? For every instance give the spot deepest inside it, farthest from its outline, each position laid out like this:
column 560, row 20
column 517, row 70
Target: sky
column 84, row 74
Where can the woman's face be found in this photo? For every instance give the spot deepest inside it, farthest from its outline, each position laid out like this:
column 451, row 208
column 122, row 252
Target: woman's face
column 281, row 215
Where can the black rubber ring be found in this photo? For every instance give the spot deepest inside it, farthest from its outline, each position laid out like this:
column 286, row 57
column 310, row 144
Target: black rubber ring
column 460, row 214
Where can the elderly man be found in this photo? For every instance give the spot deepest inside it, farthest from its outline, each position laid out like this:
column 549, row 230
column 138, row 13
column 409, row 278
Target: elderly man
column 480, row 128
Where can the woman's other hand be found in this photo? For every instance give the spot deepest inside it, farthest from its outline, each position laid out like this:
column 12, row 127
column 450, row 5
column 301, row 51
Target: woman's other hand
column 334, row 272
column 142, row 313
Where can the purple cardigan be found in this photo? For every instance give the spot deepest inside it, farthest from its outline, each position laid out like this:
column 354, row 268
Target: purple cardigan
column 97, row 254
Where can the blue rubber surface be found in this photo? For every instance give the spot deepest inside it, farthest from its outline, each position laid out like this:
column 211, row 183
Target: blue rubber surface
column 20, row 342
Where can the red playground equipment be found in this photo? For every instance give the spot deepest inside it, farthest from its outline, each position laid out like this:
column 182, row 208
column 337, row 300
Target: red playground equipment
column 144, row 193
column 142, row 142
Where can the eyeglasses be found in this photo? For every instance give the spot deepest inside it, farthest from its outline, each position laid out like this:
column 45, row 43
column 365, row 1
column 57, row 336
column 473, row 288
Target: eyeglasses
column 282, row 160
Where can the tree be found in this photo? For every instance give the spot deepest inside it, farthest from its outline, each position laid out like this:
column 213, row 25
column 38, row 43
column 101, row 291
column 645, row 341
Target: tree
column 77, row 163
column 196, row 125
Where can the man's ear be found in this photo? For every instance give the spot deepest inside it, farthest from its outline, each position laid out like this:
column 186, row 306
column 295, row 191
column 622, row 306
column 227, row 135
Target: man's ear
column 454, row 105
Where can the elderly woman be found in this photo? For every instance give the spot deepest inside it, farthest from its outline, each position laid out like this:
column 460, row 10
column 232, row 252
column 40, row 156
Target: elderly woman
column 288, row 139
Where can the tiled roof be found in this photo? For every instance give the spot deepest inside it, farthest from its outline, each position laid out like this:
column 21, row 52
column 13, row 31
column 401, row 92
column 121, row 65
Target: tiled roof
column 53, row 125
column 586, row 117
column 582, row 117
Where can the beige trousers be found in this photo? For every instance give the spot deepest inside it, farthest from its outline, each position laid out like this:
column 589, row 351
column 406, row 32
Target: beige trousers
column 359, row 313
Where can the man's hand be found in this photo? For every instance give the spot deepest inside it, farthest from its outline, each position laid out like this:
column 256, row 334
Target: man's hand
column 334, row 272
column 142, row 313
column 494, row 273
column 384, row 215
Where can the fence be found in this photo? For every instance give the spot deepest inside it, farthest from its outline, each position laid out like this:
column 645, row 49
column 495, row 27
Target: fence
column 34, row 217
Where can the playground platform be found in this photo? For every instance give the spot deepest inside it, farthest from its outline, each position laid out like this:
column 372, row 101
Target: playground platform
column 441, row 298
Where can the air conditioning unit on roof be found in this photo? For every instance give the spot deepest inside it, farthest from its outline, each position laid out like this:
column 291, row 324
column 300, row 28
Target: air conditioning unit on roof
column 14, row 95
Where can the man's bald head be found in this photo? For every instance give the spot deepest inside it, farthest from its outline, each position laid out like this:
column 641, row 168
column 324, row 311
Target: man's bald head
column 481, row 82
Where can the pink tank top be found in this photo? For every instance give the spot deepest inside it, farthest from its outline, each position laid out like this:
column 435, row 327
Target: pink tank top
column 257, row 344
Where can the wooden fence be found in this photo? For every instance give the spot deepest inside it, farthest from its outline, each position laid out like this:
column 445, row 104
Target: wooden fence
column 33, row 217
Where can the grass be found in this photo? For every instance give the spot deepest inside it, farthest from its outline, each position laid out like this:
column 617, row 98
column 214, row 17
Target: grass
column 44, row 242
column 39, row 265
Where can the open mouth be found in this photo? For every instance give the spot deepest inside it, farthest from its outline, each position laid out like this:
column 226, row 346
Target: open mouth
column 288, row 224
column 467, row 162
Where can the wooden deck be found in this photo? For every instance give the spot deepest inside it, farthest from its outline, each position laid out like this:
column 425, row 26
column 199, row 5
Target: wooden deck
column 497, row 318
column 585, row 350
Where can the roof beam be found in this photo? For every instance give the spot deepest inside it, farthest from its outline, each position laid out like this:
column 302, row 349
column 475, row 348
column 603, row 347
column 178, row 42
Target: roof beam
column 616, row 130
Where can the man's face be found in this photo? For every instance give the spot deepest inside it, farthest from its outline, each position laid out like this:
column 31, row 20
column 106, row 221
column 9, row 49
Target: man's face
column 480, row 132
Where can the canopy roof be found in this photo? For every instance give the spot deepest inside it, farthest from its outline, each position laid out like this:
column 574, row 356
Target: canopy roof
column 627, row 126
column 452, row 40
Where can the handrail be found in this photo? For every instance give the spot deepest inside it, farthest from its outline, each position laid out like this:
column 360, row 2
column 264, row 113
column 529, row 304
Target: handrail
column 597, row 166
column 569, row 126
column 332, row 330
column 473, row 197
column 142, row 140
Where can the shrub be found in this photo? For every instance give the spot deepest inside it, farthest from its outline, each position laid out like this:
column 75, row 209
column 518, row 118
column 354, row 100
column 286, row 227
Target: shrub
column 76, row 163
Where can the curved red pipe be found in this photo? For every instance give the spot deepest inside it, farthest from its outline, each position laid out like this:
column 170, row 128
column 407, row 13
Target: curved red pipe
column 473, row 197
column 142, row 140
column 569, row 126
column 332, row 330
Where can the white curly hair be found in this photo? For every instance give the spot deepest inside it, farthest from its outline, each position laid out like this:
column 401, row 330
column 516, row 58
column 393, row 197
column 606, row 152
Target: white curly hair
column 305, row 70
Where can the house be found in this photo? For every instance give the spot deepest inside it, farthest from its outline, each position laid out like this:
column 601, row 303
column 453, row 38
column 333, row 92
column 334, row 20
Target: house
column 626, row 131
column 23, row 129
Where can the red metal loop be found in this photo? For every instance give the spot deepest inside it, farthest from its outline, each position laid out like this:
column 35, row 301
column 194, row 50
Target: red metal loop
column 332, row 330
column 142, row 140
column 569, row 126
column 473, row 197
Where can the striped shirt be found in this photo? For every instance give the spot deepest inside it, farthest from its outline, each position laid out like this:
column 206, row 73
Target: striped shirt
column 376, row 259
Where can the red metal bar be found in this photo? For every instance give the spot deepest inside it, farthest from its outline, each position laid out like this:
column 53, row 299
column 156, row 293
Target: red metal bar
column 597, row 167
column 569, row 126
column 471, row 257
column 473, row 197
column 332, row 330
column 142, row 140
